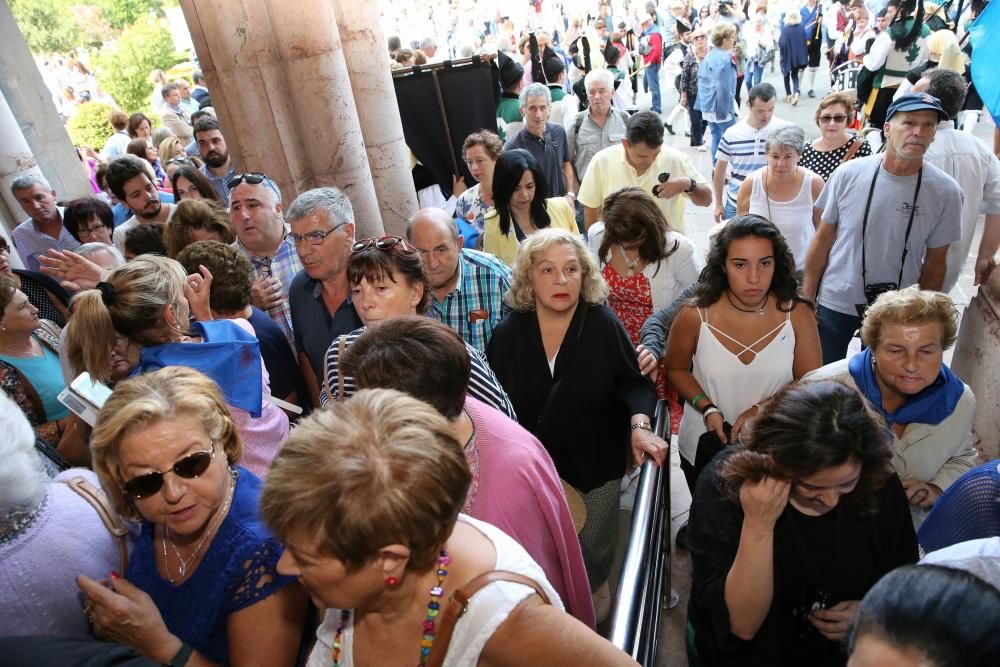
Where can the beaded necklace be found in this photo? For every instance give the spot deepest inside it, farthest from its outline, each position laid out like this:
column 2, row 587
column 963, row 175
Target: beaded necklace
column 429, row 624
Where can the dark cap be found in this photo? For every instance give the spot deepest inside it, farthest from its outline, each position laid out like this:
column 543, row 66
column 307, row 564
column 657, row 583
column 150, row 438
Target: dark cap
column 510, row 72
column 916, row 102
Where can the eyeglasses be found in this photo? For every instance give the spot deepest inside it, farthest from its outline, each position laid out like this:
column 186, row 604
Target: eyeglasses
column 312, row 238
column 381, row 243
column 836, row 118
column 180, row 160
column 90, row 230
column 189, row 467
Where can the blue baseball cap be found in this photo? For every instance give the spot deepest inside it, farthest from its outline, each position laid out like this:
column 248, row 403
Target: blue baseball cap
column 916, row 102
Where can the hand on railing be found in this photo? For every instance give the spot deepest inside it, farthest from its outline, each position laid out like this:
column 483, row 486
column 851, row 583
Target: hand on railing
column 645, row 442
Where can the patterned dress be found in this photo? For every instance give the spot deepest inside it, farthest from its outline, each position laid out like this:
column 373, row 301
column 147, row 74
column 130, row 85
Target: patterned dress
column 631, row 299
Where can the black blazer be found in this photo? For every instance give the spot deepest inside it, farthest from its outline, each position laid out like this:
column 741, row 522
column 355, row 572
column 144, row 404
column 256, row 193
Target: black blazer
column 586, row 427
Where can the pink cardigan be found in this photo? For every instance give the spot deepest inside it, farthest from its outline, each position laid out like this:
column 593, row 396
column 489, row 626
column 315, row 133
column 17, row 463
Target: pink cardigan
column 516, row 488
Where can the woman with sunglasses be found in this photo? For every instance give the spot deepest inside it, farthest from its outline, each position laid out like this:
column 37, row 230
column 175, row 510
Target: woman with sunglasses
column 835, row 144
column 519, row 189
column 189, row 183
column 201, row 585
column 387, row 280
column 150, row 301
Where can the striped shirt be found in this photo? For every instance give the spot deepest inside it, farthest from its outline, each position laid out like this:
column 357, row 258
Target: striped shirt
column 475, row 306
column 483, row 384
column 284, row 266
column 742, row 146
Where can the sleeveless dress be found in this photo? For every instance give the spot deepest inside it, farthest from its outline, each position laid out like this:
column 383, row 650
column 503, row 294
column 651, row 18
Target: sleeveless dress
column 732, row 385
column 487, row 609
column 794, row 218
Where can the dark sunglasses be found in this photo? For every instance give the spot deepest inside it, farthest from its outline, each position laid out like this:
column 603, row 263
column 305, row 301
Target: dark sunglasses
column 189, row 467
column 179, row 160
column 381, row 243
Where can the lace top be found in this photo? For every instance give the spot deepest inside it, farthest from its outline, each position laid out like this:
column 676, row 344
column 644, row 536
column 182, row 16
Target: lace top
column 238, row 570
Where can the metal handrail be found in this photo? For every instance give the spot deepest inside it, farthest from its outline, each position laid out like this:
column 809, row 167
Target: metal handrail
column 645, row 569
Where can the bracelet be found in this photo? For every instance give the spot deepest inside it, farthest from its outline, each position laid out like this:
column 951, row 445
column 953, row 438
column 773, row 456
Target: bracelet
column 182, row 657
column 708, row 411
column 645, row 426
column 698, row 398
column 708, row 406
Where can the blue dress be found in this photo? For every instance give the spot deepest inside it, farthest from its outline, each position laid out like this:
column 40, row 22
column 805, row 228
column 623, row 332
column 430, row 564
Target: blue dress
column 238, row 570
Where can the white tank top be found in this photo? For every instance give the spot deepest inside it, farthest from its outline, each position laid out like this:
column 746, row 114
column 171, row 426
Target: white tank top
column 730, row 384
column 794, row 219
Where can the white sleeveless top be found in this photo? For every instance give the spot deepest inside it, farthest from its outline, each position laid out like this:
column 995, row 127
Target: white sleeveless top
column 487, row 609
column 730, row 384
column 794, row 219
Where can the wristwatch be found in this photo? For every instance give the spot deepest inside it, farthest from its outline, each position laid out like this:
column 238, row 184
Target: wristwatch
column 645, row 426
column 182, row 656
column 690, row 190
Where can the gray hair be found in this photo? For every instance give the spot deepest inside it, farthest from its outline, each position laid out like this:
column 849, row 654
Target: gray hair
column 787, row 135
column 599, row 76
column 427, row 42
column 28, row 181
column 22, row 476
column 329, row 199
column 88, row 250
column 535, row 90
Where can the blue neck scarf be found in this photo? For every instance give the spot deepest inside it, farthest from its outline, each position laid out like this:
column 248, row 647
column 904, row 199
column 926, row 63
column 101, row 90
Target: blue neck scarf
column 228, row 354
column 932, row 405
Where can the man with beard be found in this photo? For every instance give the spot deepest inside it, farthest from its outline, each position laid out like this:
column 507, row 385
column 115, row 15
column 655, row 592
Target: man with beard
column 468, row 286
column 218, row 168
column 128, row 177
column 44, row 228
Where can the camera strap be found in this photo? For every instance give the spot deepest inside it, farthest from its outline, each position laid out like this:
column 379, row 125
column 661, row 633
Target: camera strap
column 909, row 226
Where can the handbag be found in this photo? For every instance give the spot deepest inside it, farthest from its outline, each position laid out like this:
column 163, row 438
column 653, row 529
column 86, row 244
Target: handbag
column 855, row 147
column 459, row 602
column 96, row 498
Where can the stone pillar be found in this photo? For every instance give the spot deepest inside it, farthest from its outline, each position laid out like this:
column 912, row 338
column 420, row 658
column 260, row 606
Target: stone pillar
column 15, row 160
column 40, row 125
column 976, row 360
column 375, row 97
column 281, row 89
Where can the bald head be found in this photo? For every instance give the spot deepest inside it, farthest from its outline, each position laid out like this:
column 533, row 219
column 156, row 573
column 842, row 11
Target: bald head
column 435, row 234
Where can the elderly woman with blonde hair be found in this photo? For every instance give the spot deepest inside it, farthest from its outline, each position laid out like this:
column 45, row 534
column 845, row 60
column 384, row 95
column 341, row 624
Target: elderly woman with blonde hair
column 367, row 500
column 571, row 372
column 902, row 373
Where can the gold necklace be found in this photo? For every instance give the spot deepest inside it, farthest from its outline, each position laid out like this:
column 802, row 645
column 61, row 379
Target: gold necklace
column 185, row 563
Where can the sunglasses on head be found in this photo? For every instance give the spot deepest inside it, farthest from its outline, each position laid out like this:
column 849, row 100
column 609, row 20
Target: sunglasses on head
column 191, row 466
column 179, row 160
column 381, row 243
column 251, row 177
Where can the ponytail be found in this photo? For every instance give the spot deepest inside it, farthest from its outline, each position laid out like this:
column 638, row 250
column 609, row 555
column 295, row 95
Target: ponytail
column 90, row 335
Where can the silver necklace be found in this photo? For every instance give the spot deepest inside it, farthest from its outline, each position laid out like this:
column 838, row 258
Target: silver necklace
column 185, row 563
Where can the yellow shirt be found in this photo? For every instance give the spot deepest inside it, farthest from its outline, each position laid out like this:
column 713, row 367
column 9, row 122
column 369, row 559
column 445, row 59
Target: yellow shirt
column 561, row 216
column 609, row 172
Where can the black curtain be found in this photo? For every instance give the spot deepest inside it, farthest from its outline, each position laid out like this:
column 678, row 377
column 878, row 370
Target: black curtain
column 470, row 99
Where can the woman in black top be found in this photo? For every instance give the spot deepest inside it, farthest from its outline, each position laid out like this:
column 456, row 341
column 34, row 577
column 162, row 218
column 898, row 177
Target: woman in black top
column 789, row 532
column 571, row 373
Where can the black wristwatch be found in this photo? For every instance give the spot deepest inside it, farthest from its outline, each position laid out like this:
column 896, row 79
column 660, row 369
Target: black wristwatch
column 694, row 186
column 182, row 656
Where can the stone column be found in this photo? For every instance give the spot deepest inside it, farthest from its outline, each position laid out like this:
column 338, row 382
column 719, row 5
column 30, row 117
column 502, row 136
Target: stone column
column 15, row 160
column 375, row 97
column 40, row 125
column 976, row 360
column 281, row 89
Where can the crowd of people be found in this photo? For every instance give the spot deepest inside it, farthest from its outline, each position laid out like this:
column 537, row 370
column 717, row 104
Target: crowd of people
column 249, row 436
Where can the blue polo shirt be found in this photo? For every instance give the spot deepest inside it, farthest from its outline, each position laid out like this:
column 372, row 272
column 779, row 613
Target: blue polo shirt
column 550, row 152
column 314, row 326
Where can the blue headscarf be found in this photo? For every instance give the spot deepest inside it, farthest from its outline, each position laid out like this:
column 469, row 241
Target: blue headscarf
column 228, row 354
column 931, row 405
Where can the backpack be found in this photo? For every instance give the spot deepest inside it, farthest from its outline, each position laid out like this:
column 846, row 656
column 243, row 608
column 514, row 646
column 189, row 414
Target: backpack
column 579, row 121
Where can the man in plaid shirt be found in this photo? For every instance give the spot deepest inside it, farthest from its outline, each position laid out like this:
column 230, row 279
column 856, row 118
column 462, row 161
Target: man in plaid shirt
column 468, row 285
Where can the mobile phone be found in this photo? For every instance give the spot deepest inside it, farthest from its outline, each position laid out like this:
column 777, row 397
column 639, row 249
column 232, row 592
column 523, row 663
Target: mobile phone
column 85, row 397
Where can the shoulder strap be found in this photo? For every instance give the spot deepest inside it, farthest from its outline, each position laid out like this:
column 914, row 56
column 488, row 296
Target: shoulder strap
column 577, row 124
column 855, row 147
column 112, row 522
column 29, row 390
column 459, row 602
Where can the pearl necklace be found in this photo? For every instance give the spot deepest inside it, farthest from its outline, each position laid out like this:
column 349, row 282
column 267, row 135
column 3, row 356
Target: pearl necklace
column 185, row 563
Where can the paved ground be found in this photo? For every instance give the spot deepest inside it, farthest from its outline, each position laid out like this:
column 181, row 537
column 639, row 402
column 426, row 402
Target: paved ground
column 698, row 221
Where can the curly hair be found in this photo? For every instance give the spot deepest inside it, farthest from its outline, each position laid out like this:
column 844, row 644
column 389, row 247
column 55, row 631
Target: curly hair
column 374, row 264
column 232, row 274
column 488, row 140
column 191, row 215
column 712, row 282
column 910, row 305
column 521, row 295
column 806, row 428
column 631, row 215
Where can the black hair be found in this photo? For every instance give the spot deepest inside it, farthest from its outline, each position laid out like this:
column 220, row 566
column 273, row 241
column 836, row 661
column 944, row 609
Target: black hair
column 764, row 92
column 122, row 169
column 198, row 179
column 948, row 616
column 507, row 174
column 949, row 87
column 80, row 211
column 645, row 127
column 146, row 239
column 206, row 124
column 713, row 282
column 908, row 9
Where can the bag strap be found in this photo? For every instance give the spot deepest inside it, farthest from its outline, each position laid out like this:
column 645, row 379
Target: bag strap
column 459, row 602
column 102, row 506
column 855, row 147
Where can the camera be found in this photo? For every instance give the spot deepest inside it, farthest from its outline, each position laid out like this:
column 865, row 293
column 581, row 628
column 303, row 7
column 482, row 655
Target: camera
column 873, row 292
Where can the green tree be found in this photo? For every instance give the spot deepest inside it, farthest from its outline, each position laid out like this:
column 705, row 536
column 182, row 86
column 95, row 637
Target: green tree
column 47, row 25
column 123, row 13
column 89, row 125
column 123, row 67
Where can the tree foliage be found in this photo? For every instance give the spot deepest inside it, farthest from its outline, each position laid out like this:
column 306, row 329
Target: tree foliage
column 123, row 67
column 47, row 25
column 123, row 13
column 89, row 125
